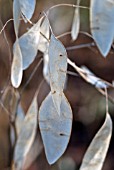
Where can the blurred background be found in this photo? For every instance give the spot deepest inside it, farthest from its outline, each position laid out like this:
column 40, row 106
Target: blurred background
column 87, row 103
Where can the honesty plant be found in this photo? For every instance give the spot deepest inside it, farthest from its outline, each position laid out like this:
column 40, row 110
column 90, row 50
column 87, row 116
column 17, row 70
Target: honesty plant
column 54, row 116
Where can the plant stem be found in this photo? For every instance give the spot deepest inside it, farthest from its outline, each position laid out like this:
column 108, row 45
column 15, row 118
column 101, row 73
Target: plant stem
column 68, row 5
column 81, row 46
column 83, row 75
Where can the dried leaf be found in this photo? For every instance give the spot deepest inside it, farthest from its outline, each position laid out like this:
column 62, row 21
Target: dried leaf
column 45, row 31
column 46, row 67
column 96, row 153
column 55, row 130
column 43, row 47
column 57, row 70
column 19, row 119
column 12, row 136
column 102, row 24
column 16, row 16
column 33, row 153
column 27, row 135
column 10, row 99
column 27, row 7
column 16, row 69
column 92, row 79
column 29, row 44
column 76, row 23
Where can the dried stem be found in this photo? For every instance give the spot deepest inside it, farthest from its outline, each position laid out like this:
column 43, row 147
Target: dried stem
column 88, row 45
column 106, row 94
column 29, row 21
column 11, row 19
column 64, row 34
column 83, row 75
column 44, row 36
column 72, row 73
column 5, row 37
column 68, row 5
column 86, row 33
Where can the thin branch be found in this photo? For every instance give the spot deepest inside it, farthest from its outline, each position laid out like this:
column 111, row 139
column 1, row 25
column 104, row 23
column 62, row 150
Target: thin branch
column 5, row 37
column 83, row 75
column 106, row 94
column 11, row 19
column 64, row 34
column 87, row 45
column 86, row 33
column 25, row 18
column 69, row 32
column 68, row 5
column 44, row 36
column 6, row 41
column 72, row 73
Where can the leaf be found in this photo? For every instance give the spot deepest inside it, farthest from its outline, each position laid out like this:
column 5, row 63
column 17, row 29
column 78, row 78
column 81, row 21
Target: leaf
column 10, row 100
column 45, row 30
column 43, row 47
column 27, row 7
column 27, row 135
column 76, row 23
column 19, row 119
column 33, row 153
column 16, row 16
column 12, row 136
column 92, row 79
column 96, row 153
column 57, row 70
column 46, row 67
column 17, row 65
column 55, row 130
column 102, row 24
column 29, row 44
